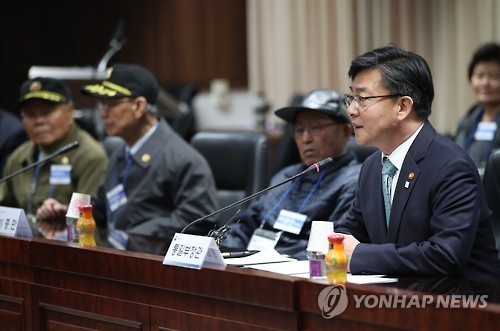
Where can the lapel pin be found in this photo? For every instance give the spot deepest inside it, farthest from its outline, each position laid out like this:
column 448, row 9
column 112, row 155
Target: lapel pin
column 145, row 157
column 411, row 175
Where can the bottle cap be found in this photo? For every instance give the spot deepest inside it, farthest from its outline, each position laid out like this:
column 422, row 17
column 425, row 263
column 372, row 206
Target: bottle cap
column 335, row 238
column 85, row 207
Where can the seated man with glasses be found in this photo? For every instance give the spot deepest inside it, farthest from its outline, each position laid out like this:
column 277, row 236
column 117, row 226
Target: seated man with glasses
column 420, row 208
column 46, row 110
column 156, row 183
column 321, row 129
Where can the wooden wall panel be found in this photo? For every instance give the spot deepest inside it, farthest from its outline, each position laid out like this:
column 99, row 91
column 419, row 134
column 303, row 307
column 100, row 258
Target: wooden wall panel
column 169, row 319
column 103, row 289
column 189, row 41
column 15, row 305
column 56, row 309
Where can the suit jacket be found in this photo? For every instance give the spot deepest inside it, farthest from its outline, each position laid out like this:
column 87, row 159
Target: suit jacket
column 491, row 185
column 439, row 224
column 13, row 135
column 168, row 185
column 88, row 164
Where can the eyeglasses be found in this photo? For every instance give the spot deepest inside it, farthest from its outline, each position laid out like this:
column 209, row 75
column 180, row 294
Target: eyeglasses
column 109, row 103
column 313, row 129
column 360, row 101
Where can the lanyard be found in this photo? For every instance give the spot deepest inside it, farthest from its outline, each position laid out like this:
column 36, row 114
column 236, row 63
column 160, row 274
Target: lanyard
column 287, row 192
column 33, row 185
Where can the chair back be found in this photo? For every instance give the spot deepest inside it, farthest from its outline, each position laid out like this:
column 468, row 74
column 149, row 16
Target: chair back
column 491, row 186
column 239, row 163
column 361, row 151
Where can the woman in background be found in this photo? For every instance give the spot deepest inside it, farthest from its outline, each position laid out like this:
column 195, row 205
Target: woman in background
column 477, row 133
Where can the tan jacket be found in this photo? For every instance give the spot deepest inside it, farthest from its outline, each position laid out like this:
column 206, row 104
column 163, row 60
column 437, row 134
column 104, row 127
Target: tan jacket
column 88, row 165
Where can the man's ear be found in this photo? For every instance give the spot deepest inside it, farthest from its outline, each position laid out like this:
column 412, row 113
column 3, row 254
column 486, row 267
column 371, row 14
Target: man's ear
column 139, row 106
column 405, row 106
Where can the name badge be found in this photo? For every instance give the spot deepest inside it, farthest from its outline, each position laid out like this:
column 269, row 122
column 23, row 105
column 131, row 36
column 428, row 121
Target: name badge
column 290, row 221
column 485, row 131
column 263, row 239
column 116, row 197
column 60, row 174
column 118, row 239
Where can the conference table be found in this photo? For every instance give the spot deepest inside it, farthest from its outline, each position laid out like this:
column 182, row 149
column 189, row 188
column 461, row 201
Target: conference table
column 55, row 285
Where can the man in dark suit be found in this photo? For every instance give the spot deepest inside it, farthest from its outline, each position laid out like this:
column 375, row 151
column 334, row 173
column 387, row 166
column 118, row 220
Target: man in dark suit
column 156, row 183
column 436, row 221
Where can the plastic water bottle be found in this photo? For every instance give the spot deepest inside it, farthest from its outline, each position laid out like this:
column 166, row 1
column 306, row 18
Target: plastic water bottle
column 72, row 232
column 317, row 266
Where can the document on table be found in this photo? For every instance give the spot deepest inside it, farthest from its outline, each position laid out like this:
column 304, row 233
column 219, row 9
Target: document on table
column 268, row 256
column 301, row 269
column 292, row 268
column 369, row 279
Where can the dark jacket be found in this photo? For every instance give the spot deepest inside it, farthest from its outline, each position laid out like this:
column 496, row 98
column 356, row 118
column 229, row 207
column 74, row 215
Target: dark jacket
column 439, row 224
column 169, row 184
column 465, row 136
column 329, row 202
column 12, row 135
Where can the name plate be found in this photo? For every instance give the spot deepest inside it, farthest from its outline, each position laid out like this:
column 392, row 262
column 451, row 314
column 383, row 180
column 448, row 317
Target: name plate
column 187, row 250
column 13, row 223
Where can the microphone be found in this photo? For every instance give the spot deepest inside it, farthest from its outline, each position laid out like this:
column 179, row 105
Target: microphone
column 118, row 35
column 62, row 150
column 316, row 166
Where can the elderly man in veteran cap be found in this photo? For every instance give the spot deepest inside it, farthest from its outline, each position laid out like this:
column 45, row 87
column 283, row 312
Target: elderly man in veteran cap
column 46, row 110
column 321, row 130
column 156, row 183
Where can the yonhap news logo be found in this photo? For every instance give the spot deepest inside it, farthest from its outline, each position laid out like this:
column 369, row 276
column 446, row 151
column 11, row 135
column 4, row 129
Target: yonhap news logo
column 333, row 300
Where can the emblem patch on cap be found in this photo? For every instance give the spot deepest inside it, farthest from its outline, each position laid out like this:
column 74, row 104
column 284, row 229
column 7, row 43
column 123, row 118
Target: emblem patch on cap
column 35, row 86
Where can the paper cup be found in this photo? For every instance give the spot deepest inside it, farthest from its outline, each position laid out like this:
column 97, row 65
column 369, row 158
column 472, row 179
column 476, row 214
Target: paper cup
column 77, row 200
column 318, row 238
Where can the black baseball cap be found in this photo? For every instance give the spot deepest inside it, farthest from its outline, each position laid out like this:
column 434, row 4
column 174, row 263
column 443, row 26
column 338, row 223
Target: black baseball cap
column 126, row 80
column 44, row 88
column 322, row 100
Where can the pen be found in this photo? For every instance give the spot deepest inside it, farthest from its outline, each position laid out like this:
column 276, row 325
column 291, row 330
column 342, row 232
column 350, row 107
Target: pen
column 238, row 254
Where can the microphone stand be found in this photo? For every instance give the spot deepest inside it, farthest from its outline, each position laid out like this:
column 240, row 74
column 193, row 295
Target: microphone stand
column 64, row 149
column 116, row 43
column 221, row 233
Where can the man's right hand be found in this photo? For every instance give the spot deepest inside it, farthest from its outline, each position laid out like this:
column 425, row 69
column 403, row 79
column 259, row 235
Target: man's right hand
column 51, row 209
column 51, row 218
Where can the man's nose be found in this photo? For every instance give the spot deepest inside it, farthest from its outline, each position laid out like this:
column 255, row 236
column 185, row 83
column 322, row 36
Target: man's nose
column 352, row 110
